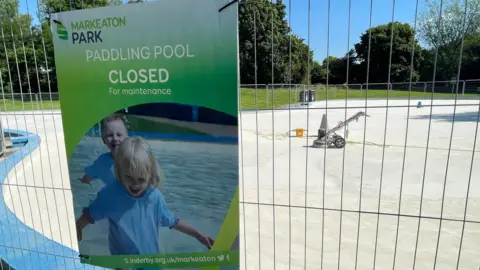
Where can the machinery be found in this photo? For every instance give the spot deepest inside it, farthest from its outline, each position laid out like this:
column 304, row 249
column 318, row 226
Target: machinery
column 329, row 137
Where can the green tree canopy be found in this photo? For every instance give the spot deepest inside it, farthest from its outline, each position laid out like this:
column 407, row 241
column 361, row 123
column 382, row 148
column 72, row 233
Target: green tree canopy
column 401, row 51
column 263, row 29
column 471, row 58
column 8, row 9
column 456, row 21
column 445, row 34
column 318, row 73
column 17, row 56
column 52, row 6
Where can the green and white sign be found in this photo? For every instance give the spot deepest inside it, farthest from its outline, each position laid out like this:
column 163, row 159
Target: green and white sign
column 149, row 104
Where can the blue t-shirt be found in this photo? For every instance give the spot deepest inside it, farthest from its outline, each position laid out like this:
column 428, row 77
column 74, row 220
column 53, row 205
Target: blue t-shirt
column 102, row 168
column 134, row 222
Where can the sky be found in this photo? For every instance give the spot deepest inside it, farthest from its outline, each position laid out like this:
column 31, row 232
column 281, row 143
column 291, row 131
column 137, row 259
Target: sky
column 337, row 40
column 319, row 20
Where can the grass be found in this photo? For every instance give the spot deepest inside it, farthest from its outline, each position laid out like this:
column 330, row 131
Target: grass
column 16, row 105
column 261, row 99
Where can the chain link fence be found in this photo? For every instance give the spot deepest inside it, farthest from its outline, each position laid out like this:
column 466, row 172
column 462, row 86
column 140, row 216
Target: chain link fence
column 284, row 95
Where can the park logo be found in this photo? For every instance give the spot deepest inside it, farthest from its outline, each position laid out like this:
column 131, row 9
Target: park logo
column 62, row 32
column 88, row 31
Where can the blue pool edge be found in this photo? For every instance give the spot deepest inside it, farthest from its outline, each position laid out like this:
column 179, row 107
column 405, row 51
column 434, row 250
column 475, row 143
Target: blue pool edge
column 23, row 247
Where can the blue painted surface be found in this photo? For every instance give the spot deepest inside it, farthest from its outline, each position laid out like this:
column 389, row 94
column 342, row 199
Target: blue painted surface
column 176, row 136
column 185, row 137
column 21, row 246
column 194, row 113
column 183, row 112
column 18, row 140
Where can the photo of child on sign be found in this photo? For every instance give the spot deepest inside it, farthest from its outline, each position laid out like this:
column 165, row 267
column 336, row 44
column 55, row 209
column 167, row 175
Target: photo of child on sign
column 139, row 207
column 129, row 195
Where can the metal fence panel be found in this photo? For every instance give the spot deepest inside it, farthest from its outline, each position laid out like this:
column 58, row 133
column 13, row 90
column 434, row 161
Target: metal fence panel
column 402, row 194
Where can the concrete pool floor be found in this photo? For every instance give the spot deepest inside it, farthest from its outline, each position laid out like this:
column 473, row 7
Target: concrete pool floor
column 38, row 188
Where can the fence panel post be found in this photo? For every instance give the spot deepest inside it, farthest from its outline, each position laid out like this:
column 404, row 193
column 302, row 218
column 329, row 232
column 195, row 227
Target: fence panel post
column 304, row 88
column 273, row 96
column 266, row 96
column 424, row 89
column 239, row 100
column 296, row 94
column 463, row 88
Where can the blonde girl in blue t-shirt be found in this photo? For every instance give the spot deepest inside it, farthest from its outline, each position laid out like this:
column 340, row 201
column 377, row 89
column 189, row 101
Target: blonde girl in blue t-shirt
column 140, row 208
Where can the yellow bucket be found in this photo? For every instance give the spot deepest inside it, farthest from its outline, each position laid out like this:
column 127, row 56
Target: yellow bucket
column 299, row 132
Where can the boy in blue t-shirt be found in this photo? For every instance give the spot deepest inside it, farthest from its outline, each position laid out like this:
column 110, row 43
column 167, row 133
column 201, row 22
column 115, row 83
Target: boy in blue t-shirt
column 114, row 131
column 139, row 209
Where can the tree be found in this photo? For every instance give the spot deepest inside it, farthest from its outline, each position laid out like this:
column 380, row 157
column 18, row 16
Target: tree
column 456, row 22
column 318, row 73
column 8, row 9
column 444, row 34
column 379, row 55
column 43, row 38
column 46, row 58
column 300, row 56
column 52, row 6
column 471, row 58
column 256, row 28
column 337, row 68
column 17, row 54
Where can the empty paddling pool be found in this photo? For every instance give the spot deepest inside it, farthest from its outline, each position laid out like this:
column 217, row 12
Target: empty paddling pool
column 16, row 138
column 22, row 246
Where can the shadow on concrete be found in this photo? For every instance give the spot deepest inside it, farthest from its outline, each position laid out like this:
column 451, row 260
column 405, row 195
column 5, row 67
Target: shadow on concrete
column 459, row 117
column 304, row 137
column 320, row 148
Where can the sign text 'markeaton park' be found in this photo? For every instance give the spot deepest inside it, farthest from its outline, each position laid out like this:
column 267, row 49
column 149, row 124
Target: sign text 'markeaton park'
column 90, row 31
column 97, row 24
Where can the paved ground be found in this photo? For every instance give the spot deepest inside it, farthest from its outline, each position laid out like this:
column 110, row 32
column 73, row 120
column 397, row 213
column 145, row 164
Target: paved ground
column 331, row 179
column 318, row 184
column 40, row 184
